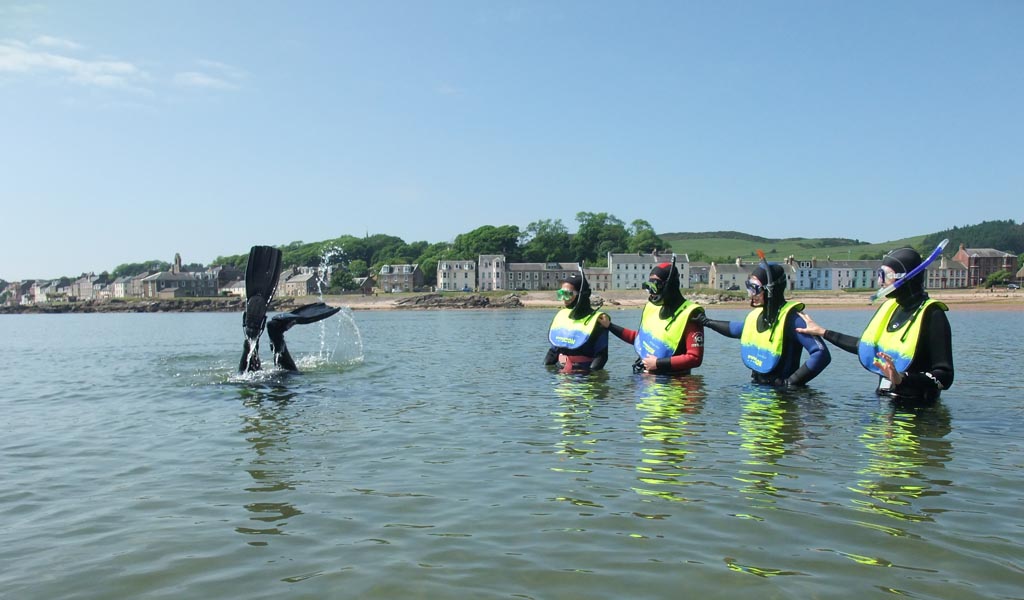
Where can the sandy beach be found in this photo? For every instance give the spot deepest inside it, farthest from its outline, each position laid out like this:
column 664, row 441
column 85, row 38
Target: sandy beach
column 975, row 299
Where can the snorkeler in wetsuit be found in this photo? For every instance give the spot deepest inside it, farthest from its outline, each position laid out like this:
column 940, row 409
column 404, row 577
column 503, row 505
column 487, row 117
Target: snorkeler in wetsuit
column 670, row 339
column 908, row 342
column 578, row 333
column 771, row 342
column 261, row 276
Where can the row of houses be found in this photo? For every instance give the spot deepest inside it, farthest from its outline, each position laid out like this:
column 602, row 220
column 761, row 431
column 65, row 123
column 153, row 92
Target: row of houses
column 173, row 283
column 968, row 267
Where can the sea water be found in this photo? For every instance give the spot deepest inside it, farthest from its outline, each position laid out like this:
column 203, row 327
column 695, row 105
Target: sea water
column 431, row 455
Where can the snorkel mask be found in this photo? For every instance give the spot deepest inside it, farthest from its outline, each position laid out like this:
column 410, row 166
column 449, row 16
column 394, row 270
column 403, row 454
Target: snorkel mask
column 886, row 276
column 660, row 278
column 654, row 289
column 754, row 287
column 564, row 294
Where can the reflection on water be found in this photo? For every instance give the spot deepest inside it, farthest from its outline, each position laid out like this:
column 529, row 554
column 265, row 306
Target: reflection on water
column 267, row 430
column 773, row 425
column 668, row 406
column 769, row 426
column 902, row 443
column 578, row 393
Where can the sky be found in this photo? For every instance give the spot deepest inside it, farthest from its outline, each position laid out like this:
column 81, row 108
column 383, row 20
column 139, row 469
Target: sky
column 131, row 131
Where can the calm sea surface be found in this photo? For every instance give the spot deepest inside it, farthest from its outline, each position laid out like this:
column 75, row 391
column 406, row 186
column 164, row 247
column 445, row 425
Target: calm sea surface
column 430, row 455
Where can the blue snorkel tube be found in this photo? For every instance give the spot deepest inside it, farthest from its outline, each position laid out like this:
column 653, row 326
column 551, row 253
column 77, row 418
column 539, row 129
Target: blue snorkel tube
column 895, row 285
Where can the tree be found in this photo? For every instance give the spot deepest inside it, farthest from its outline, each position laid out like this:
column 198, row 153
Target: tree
column 358, row 267
column 150, row 266
column 997, row 278
column 546, row 241
column 488, row 239
column 428, row 259
column 341, row 279
column 643, row 238
column 598, row 234
column 1007, row 236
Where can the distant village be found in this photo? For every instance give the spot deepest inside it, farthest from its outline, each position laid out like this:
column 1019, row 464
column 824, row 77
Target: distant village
column 968, row 267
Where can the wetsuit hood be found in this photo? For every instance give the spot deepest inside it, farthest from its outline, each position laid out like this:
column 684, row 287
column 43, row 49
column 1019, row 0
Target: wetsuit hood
column 670, row 297
column 775, row 289
column 581, row 308
column 903, row 260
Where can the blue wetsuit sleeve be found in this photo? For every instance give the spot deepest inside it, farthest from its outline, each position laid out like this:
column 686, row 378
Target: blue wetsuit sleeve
column 818, row 356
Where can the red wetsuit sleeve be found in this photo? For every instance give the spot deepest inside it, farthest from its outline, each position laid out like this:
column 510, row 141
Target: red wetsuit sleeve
column 691, row 353
column 626, row 335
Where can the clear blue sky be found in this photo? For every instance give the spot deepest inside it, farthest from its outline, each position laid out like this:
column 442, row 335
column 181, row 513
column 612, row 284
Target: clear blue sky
column 133, row 130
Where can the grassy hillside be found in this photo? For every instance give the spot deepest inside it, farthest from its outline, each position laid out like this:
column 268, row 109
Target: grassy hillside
column 729, row 245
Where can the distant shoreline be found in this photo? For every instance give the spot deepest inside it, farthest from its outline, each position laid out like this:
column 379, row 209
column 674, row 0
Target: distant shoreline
column 612, row 300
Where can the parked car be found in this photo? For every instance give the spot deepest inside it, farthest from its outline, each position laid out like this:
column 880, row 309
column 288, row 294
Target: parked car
column 1012, row 286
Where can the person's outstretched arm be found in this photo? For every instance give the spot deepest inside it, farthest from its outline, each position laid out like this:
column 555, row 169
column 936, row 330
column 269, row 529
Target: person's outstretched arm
column 839, row 340
column 626, row 335
column 818, row 356
column 733, row 329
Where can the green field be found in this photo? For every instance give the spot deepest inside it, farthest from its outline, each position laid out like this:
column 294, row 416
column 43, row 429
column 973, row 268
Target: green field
column 726, row 247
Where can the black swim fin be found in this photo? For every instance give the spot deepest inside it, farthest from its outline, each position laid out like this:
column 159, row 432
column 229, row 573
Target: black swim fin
column 261, row 275
column 309, row 313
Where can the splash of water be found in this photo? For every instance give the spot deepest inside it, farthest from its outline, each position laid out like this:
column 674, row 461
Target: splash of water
column 328, row 256
column 352, row 352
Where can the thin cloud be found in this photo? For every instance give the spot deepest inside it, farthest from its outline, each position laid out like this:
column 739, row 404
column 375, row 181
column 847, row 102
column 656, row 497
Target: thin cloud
column 214, row 75
column 202, row 80
column 31, row 59
column 55, row 42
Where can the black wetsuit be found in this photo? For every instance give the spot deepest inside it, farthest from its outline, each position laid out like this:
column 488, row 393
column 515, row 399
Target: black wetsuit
column 933, row 357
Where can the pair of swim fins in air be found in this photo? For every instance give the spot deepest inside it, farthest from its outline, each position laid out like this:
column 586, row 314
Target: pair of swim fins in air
column 261, row 276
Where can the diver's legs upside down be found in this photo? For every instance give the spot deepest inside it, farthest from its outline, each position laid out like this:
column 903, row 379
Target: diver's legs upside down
column 261, row 275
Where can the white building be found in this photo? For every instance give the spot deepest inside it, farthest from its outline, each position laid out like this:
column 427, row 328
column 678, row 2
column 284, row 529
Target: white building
column 492, row 272
column 630, row 271
column 456, row 275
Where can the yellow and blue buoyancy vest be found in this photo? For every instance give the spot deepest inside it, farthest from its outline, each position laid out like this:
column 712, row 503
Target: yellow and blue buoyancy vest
column 567, row 333
column 762, row 350
column 659, row 337
column 899, row 344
